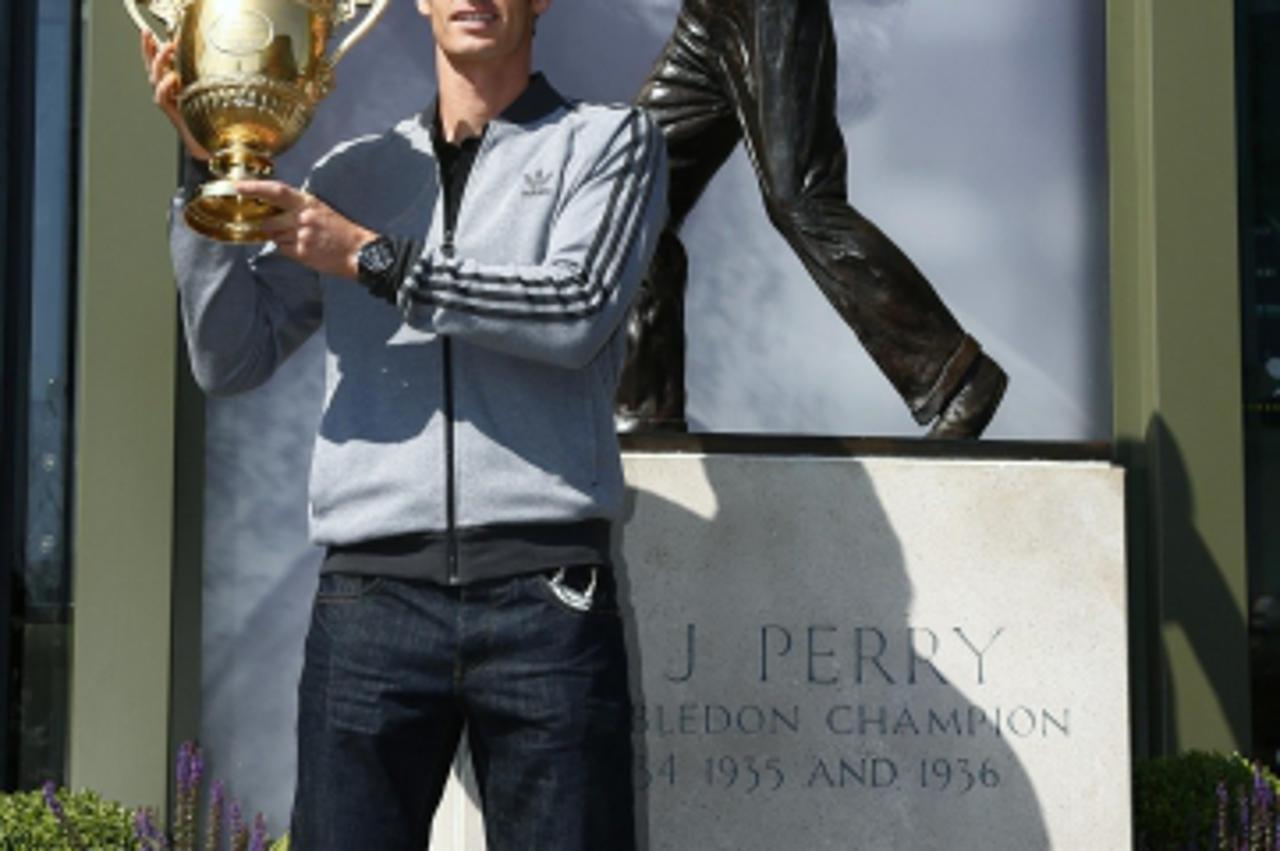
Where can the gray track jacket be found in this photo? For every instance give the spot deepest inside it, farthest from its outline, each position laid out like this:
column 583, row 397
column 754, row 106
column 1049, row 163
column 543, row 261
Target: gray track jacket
column 485, row 400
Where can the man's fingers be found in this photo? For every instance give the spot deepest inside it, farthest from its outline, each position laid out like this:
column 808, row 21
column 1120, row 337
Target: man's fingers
column 150, row 47
column 282, row 195
column 161, row 63
column 153, row 65
column 167, row 89
column 283, row 225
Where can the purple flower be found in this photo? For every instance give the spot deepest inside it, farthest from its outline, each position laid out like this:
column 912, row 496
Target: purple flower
column 239, row 833
column 51, row 801
column 50, row 792
column 197, row 766
column 190, row 768
column 1244, row 818
column 1263, row 798
column 184, row 767
column 259, row 840
column 217, row 802
column 145, row 830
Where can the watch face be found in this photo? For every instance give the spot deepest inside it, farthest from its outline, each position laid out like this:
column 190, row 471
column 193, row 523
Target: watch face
column 377, row 257
column 375, row 261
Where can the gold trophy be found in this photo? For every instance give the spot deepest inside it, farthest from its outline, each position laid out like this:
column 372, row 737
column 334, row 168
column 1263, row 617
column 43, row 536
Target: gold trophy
column 252, row 73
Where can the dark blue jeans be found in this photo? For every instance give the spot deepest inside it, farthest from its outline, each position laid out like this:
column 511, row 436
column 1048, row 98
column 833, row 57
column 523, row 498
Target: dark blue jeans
column 396, row 671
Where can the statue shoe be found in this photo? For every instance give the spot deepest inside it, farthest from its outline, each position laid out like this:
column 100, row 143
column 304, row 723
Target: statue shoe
column 971, row 408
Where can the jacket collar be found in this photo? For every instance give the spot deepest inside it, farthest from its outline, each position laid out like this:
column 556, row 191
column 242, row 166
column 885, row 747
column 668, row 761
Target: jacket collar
column 538, row 100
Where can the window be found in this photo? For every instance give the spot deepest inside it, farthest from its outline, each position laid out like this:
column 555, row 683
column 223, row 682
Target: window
column 39, row 84
column 1259, row 120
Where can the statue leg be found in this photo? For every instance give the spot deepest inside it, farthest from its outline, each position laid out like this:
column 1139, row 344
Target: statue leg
column 686, row 96
column 783, row 79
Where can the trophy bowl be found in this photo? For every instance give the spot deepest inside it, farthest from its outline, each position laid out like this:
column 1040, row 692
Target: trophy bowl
column 252, row 73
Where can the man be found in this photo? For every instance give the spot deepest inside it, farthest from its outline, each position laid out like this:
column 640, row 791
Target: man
column 763, row 72
column 471, row 269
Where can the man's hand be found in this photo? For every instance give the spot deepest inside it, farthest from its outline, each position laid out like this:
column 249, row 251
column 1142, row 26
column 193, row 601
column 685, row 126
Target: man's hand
column 165, row 87
column 308, row 230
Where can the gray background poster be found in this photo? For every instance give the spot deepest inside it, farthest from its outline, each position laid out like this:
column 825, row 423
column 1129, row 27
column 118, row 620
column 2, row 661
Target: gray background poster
column 976, row 140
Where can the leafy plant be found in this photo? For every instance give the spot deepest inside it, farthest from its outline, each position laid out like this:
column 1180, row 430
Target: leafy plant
column 1205, row 801
column 52, row 819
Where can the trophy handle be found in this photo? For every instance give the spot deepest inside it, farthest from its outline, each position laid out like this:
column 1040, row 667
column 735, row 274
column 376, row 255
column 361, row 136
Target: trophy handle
column 148, row 20
column 362, row 29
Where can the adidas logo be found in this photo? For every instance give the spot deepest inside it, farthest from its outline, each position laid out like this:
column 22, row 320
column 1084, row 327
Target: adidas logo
column 537, row 183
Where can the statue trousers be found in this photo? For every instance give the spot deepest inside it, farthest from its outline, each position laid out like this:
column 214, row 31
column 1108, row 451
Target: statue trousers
column 763, row 72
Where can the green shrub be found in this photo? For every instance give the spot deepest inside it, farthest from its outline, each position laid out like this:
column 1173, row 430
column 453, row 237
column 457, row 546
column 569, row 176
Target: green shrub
column 28, row 824
column 51, row 819
column 1176, row 800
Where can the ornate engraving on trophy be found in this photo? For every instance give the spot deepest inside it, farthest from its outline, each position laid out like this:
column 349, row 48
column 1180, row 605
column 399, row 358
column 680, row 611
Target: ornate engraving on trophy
column 242, row 32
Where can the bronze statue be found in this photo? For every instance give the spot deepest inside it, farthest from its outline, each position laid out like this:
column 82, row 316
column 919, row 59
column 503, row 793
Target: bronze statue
column 764, row 72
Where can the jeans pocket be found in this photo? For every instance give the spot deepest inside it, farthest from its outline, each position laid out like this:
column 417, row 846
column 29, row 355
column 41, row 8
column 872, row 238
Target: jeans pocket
column 345, row 587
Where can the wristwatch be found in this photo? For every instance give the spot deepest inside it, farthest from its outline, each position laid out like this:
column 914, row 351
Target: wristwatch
column 375, row 266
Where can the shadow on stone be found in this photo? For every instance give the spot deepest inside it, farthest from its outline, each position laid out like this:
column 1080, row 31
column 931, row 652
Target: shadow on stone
column 785, row 696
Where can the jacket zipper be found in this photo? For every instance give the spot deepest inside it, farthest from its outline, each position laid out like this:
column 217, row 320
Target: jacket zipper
column 446, row 365
column 450, row 499
column 450, row 483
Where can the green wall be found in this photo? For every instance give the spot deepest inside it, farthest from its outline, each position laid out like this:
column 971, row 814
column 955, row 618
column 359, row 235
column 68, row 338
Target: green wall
column 1176, row 368
column 123, row 504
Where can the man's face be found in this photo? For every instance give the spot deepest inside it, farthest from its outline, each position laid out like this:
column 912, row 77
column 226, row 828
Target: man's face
column 469, row 31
